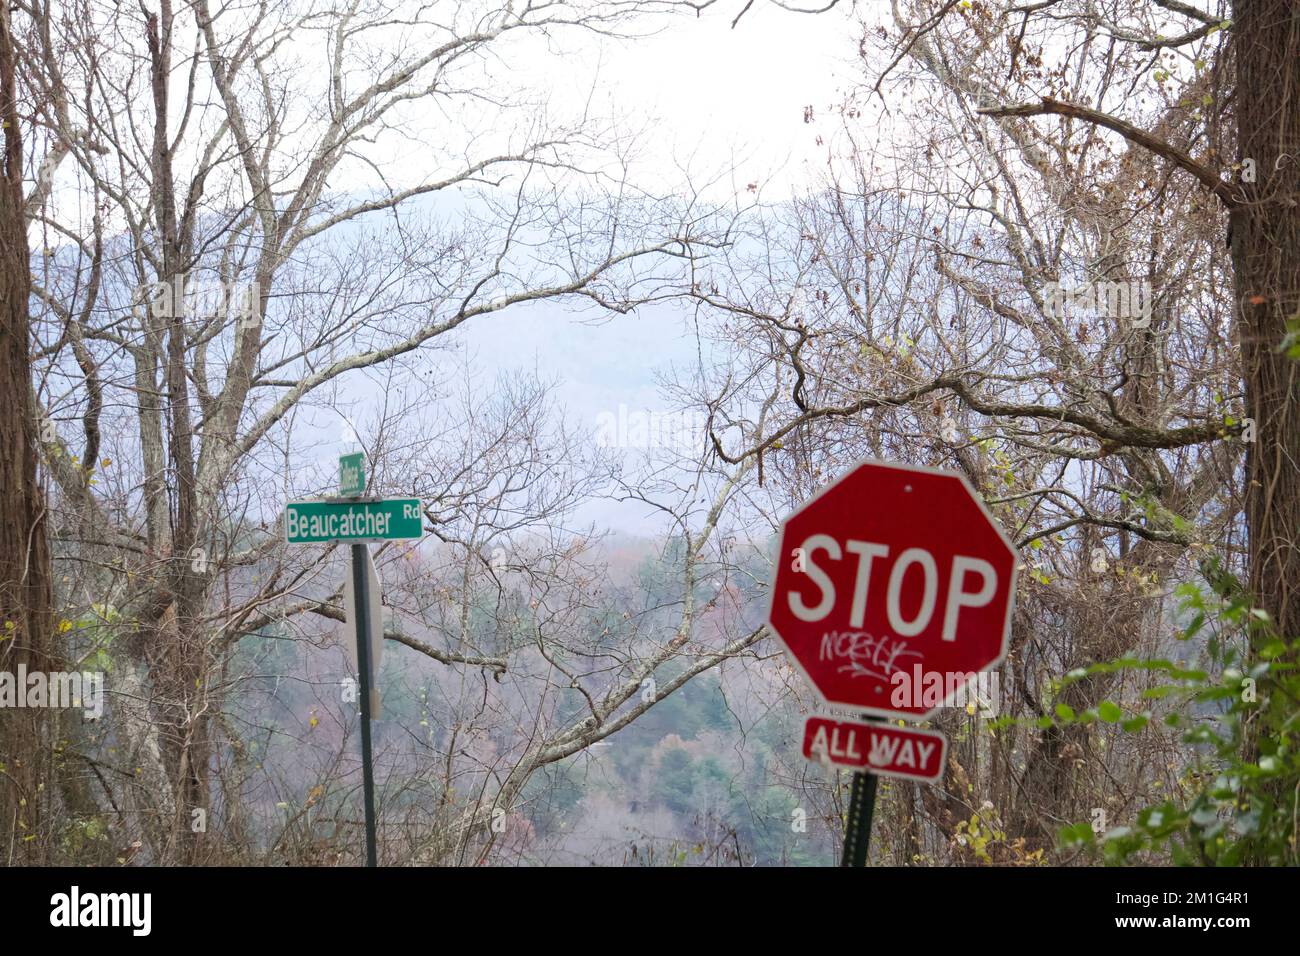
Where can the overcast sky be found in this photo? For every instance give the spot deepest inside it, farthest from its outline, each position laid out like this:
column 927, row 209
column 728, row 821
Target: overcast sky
column 696, row 90
column 739, row 92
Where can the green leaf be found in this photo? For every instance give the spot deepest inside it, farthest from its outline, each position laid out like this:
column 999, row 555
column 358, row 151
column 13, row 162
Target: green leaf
column 1109, row 712
column 1196, row 624
column 1076, row 835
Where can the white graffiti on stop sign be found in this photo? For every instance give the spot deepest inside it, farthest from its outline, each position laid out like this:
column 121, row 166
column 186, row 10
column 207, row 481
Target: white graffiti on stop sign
column 865, row 655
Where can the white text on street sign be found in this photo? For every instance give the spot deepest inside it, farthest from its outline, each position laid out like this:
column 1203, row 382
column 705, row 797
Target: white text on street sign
column 875, row 747
column 352, row 474
column 315, row 522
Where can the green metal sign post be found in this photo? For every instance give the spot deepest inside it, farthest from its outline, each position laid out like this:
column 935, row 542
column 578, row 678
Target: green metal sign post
column 357, row 521
column 361, row 588
column 857, row 823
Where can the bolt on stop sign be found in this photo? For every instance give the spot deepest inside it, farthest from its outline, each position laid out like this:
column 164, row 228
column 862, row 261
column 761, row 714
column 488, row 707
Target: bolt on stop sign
column 894, row 587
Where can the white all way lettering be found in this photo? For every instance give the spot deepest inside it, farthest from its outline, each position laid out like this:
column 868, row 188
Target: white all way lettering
column 831, row 745
column 875, row 748
column 890, row 751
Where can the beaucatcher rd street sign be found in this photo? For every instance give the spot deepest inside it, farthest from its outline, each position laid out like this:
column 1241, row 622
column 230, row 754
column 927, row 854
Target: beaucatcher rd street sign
column 356, row 522
column 315, row 522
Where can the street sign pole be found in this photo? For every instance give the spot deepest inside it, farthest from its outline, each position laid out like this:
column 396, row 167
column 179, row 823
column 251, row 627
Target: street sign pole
column 857, row 827
column 355, row 520
column 361, row 586
column 857, row 822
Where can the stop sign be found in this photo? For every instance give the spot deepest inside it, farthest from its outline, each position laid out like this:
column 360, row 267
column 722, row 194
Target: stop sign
column 894, row 586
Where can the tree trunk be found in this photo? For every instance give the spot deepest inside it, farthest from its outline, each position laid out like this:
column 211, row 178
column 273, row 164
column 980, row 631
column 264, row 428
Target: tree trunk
column 1266, row 261
column 25, row 589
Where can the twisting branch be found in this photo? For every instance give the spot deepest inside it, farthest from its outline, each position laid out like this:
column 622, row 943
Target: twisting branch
column 1113, row 435
column 497, row 664
column 1231, row 195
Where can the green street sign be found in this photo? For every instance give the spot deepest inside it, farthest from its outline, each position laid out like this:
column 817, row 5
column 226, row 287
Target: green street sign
column 352, row 474
column 314, row 522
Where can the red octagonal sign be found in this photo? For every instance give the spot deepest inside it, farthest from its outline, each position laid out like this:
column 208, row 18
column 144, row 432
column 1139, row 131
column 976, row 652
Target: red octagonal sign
column 894, row 587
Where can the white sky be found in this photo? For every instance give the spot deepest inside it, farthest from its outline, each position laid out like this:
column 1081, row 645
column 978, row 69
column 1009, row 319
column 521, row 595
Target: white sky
column 738, row 93
column 696, row 93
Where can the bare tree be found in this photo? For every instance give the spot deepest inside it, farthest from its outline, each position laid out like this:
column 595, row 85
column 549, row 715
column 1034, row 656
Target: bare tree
column 213, row 288
column 25, row 589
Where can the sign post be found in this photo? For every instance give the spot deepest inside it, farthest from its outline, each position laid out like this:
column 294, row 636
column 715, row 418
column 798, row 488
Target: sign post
column 361, row 587
column 857, row 822
column 358, row 521
column 894, row 587
column 375, row 620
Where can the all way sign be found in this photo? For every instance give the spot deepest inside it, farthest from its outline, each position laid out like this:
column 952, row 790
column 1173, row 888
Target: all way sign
column 876, row 748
